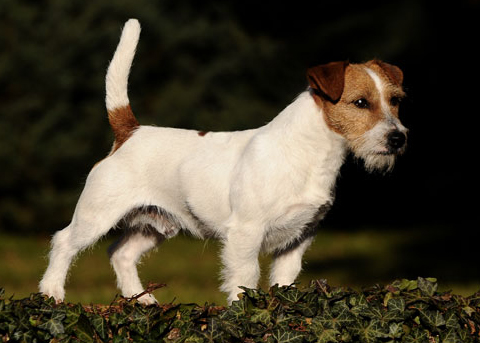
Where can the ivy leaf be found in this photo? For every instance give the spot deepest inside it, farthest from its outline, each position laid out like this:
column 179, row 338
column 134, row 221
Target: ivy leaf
column 405, row 285
column 290, row 295
column 72, row 315
column 359, row 304
column 336, row 318
column 388, row 296
column 328, row 335
column 194, row 339
column 322, row 333
column 474, row 299
column 117, row 319
column 100, row 326
column 237, row 310
column 261, row 316
column 343, row 316
column 373, row 312
column 83, row 329
column 396, row 305
column 322, row 286
column 395, row 330
column 140, row 322
column 325, row 318
column 417, row 335
column 437, row 318
column 308, row 307
column 451, row 320
column 427, row 286
column 287, row 336
column 250, row 293
column 451, row 337
column 212, row 331
column 120, row 338
column 365, row 309
column 396, row 308
column 432, row 318
column 468, row 310
column 233, row 328
column 371, row 331
column 22, row 337
column 54, row 325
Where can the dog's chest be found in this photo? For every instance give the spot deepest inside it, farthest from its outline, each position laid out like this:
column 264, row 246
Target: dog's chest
column 292, row 229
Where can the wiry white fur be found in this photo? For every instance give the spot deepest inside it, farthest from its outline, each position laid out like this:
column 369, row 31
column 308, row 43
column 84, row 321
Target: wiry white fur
column 221, row 178
column 116, row 80
column 256, row 190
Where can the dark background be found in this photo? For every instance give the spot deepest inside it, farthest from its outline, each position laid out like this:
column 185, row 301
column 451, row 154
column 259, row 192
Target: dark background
column 217, row 65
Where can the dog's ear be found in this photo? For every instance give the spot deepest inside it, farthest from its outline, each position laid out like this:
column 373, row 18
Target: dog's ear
column 394, row 73
column 327, row 80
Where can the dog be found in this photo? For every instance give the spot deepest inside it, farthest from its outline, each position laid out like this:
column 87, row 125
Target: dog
column 259, row 190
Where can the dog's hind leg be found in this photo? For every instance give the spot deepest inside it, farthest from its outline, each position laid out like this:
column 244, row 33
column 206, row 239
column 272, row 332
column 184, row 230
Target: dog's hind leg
column 124, row 256
column 61, row 255
column 102, row 204
column 66, row 244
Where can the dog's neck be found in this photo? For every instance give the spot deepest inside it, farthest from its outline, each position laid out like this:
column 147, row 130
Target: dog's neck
column 310, row 143
column 302, row 123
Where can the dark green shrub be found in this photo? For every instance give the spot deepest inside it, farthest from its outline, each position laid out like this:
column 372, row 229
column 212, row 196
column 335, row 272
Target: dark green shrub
column 404, row 311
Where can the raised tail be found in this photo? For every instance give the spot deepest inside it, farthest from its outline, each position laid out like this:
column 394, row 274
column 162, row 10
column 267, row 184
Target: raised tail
column 120, row 115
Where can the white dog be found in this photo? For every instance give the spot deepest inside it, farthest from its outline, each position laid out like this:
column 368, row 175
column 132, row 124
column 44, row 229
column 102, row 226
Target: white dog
column 257, row 190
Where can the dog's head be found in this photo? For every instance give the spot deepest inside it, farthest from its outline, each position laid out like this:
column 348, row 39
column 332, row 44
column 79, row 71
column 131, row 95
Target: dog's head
column 360, row 102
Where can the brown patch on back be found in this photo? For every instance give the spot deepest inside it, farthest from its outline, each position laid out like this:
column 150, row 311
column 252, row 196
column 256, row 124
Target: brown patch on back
column 202, row 133
column 123, row 124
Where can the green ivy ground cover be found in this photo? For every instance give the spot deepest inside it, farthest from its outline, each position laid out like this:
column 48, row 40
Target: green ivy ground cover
column 404, row 311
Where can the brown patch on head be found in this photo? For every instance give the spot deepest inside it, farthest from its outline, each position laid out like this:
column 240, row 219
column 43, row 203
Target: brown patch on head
column 365, row 110
column 346, row 118
column 391, row 78
column 123, row 124
column 394, row 73
column 328, row 80
column 362, row 105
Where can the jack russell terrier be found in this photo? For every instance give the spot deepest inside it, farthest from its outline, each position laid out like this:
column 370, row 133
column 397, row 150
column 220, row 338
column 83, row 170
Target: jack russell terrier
column 259, row 190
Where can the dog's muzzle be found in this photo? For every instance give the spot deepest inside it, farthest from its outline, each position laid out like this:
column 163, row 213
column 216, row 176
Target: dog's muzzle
column 396, row 141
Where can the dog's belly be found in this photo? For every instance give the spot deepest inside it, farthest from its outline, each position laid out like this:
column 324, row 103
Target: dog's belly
column 293, row 228
column 146, row 218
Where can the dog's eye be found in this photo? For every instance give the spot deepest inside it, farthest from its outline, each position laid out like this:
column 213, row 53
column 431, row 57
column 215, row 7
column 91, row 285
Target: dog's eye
column 361, row 103
column 395, row 101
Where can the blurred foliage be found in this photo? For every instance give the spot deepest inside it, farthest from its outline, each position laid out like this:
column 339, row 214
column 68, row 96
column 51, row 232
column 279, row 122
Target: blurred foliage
column 215, row 66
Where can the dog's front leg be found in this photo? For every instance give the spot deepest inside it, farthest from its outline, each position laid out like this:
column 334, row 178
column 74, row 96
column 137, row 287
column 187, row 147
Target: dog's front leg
column 240, row 259
column 288, row 263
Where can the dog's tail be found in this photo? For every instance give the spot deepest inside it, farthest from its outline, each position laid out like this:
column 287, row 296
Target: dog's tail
column 120, row 115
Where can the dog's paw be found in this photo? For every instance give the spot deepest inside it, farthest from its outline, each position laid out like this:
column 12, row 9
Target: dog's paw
column 58, row 293
column 147, row 299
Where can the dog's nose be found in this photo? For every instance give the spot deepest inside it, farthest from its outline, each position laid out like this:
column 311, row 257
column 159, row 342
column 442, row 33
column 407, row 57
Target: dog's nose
column 396, row 140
